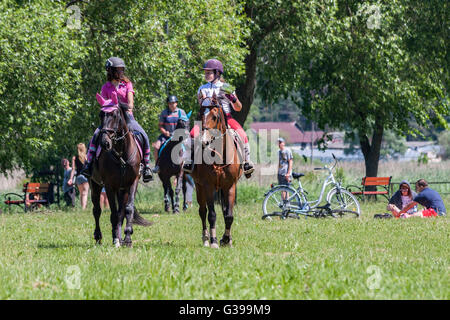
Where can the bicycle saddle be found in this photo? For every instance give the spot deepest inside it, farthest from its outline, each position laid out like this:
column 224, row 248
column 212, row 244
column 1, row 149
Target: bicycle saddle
column 297, row 175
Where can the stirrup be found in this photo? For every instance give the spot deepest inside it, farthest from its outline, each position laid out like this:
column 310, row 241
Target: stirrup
column 148, row 175
column 249, row 171
column 188, row 167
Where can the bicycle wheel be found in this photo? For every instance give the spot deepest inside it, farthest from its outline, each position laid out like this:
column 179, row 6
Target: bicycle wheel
column 343, row 203
column 280, row 201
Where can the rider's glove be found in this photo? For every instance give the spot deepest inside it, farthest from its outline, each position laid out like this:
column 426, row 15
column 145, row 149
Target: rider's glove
column 231, row 97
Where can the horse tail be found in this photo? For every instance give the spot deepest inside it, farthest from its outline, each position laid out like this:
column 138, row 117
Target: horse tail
column 140, row 220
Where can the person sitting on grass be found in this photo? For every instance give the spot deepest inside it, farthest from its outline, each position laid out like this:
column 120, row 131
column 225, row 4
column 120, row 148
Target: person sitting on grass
column 427, row 197
column 403, row 197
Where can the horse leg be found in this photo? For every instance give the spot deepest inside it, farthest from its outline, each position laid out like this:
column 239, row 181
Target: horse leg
column 227, row 207
column 184, row 189
column 212, row 218
column 201, row 199
column 114, row 216
column 166, row 186
column 122, row 199
column 176, row 203
column 97, row 210
column 129, row 212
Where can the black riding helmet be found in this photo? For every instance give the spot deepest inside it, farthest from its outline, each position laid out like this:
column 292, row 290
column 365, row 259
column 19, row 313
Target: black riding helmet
column 172, row 98
column 114, row 62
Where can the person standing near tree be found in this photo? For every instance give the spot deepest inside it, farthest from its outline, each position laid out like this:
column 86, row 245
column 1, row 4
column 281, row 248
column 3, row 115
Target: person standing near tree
column 67, row 187
column 80, row 181
column 285, row 161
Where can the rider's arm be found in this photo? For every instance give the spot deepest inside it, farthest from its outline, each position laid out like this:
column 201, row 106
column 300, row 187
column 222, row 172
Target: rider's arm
column 161, row 126
column 237, row 105
column 130, row 96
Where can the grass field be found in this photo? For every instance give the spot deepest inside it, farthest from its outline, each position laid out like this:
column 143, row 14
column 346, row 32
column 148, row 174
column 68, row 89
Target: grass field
column 51, row 254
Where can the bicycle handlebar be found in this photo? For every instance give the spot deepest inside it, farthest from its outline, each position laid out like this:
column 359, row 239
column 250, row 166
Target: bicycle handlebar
column 329, row 169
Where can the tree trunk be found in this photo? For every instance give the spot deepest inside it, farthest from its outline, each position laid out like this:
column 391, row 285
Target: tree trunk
column 247, row 90
column 371, row 151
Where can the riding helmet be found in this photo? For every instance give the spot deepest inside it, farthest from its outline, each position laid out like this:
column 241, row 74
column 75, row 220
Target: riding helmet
column 114, row 62
column 172, row 98
column 213, row 64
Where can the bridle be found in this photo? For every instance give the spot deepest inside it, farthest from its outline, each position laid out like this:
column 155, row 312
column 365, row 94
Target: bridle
column 113, row 133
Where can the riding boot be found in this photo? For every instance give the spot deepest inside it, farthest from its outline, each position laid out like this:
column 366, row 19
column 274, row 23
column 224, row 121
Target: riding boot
column 188, row 165
column 248, row 167
column 93, row 144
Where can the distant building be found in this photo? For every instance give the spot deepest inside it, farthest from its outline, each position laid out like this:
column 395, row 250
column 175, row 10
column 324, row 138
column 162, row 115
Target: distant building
column 300, row 142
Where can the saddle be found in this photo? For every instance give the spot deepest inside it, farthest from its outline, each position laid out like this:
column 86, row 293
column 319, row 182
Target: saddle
column 297, row 175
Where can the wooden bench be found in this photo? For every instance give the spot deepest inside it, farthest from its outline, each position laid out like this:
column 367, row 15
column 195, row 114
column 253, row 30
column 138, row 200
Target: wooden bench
column 368, row 184
column 35, row 195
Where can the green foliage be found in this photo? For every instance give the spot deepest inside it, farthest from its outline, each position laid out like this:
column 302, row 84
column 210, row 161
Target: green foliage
column 52, row 64
column 361, row 66
column 423, row 159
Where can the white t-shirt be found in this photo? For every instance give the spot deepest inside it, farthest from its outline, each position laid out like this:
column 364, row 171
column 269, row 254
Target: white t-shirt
column 208, row 89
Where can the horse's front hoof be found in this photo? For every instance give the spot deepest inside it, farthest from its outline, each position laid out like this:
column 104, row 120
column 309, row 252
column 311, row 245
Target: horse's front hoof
column 226, row 241
column 226, row 244
column 206, row 244
column 214, row 243
column 116, row 243
column 98, row 242
column 128, row 244
column 176, row 211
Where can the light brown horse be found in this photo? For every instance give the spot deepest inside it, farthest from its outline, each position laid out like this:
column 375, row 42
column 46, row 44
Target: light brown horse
column 221, row 174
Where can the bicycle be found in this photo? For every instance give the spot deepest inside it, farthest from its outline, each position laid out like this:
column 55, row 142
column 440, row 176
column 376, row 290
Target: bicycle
column 287, row 202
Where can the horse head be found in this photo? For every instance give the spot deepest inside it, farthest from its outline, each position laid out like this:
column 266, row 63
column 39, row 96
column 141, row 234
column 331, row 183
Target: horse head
column 113, row 123
column 213, row 121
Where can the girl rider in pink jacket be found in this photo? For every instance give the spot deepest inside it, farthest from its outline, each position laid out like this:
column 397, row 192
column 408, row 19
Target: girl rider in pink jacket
column 119, row 84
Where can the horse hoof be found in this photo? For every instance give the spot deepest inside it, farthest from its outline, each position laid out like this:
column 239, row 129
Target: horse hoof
column 116, row 243
column 226, row 244
column 98, row 242
column 129, row 244
column 214, row 245
column 206, row 244
column 226, row 241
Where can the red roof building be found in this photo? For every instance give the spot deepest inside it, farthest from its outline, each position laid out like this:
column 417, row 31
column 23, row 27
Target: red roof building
column 288, row 130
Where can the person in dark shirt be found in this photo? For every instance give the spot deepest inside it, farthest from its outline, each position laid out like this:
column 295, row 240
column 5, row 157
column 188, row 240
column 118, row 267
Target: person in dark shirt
column 427, row 197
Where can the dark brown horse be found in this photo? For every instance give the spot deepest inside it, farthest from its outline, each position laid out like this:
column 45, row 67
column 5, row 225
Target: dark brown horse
column 118, row 169
column 219, row 172
column 170, row 160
